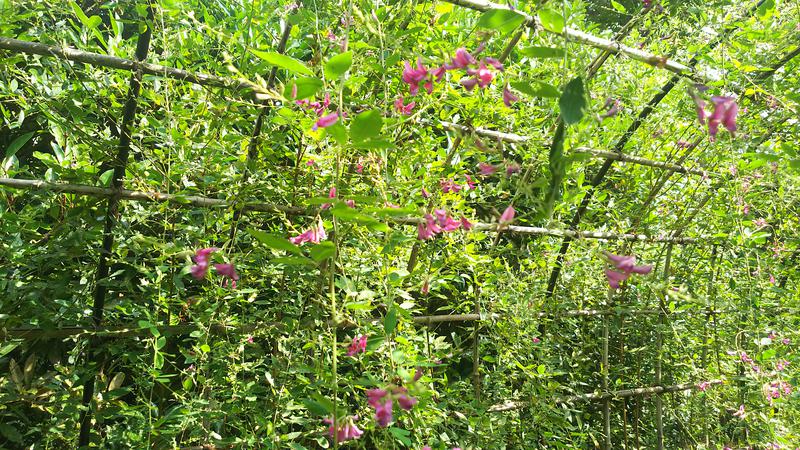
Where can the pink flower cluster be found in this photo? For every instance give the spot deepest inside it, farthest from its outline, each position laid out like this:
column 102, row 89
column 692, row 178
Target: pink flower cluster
column 344, row 430
column 358, row 345
column 724, row 113
column 323, row 120
column 486, row 169
column 314, row 234
column 625, row 266
column 449, row 185
column 442, row 223
column 613, row 108
column 383, row 399
column 703, row 386
column 778, row 389
column 200, row 268
column 479, row 73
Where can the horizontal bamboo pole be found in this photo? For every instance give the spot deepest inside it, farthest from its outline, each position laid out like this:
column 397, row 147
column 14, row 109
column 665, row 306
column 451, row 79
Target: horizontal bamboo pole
column 267, row 207
column 511, row 405
column 141, row 196
column 644, row 162
column 260, row 93
column 590, row 40
column 120, row 331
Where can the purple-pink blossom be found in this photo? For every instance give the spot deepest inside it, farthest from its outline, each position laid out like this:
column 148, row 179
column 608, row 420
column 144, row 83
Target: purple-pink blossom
column 449, row 186
column 613, row 108
column 625, row 265
column 512, row 168
column 486, row 169
column 229, row 272
column 325, row 121
column 344, row 430
column 508, row 96
column 725, row 111
column 414, row 76
column 314, row 234
column 702, row 386
column 200, row 268
column 357, row 345
column 508, row 215
column 470, row 183
column 404, row 109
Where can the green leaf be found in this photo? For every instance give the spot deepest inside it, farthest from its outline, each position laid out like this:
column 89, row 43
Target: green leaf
column 158, row 360
column 401, row 435
column 541, row 90
column 373, row 144
column 390, row 321
column 541, row 368
column 366, row 125
column 502, row 20
column 551, row 20
column 17, row 144
column 338, row 132
column 618, row 6
column 573, row 101
column 274, row 241
column 557, row 166
column 161, row 342
column 10, row 433
column 8, row 348
column 105, row 177
column 338, row 65
column 542, row 52
column 318, row 408
column 322, row 251
column 93, row 22
column 283, row 61
column 306, row 87
column 766, row 9
column 293, row 261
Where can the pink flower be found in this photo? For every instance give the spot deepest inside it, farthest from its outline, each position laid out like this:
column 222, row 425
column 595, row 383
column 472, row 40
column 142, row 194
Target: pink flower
column 426, row 287
column 486, row 169
column 470, row 183
column 772, row 279
column 426, row 447
column 494, row 63
column 200, row 268
column 358, row 345
column 615, row 278
column 359, row 168
column 450, row 224
column 424, row 193
column 294, row 90
column 310, row 162
column 404, row 109
column 508, row 96
column 441, row 216
column 417, row 374
column 449, row 186
column 331, row 194
column 345, row 430
column 786, row 341
column 462, row 59
column 313, row 234
column 725, row 110
column 413, row 77
column 512, row 168
column 613, row 110
column 485, row 76
column 250, row 339
column 628, row 264
column 423, row 233
column 326, row 121
column 227, row 271
column 703, row 386
column 383, row 412
column 350, row 203
column 536, row 340
column 740, row 413
column 466, row 224
column 743, row 356
column 432, row 224
column 374, row 396
column 508, row 215
column 469, row 83
column 683, row 144
column 406, row 402
column 438, row 73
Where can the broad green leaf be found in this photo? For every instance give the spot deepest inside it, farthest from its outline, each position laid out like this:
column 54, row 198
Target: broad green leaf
column 274, row 241
column 502, row 20
column 552, row 20
column 542, row 52
column 573, row 101
column 541, row 369
column 366, row 125
column 105, row 177
column 9, row 347
column 283, row 61
column 318, row 408
column 401, row 435
column 322, row 251
column 390, row 321
column 338, row 132
column 10, row 433
column 540, row 90
column 306, row 88
column 618, row 6
column 17, row 144
column 338, row 65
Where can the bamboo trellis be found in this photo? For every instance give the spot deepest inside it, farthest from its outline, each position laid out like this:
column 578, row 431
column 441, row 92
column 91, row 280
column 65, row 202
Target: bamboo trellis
column 259, row 93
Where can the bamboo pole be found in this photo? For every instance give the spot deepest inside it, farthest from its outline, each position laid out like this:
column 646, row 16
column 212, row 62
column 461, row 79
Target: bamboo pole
column 244, row 87
column 267, row 207
column 510, row 405
column 659, row 350
column 645, row 162
column 592, row 41
column 604, row 371
column 119, row 165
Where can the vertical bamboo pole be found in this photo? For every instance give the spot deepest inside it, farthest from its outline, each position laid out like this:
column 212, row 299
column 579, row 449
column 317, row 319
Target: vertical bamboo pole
column 606, row 402
column 476, row 366
column 119, row 165
column 659, row 350
column 710, row 291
